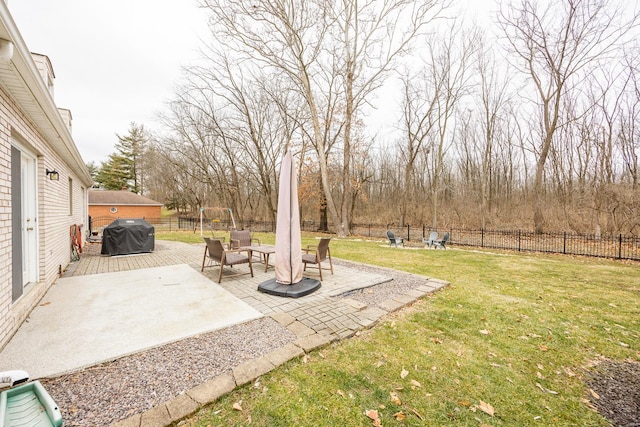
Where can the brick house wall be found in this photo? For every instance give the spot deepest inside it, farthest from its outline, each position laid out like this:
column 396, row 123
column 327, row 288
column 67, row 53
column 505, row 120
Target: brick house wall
column 61, row 204
column 31, row 126
column 146, row 212
column 108, row 205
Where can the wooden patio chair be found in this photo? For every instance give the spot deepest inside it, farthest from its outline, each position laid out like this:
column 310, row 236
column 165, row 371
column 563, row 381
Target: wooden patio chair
column 317, row 254
column 240, row 238
column 218, row 255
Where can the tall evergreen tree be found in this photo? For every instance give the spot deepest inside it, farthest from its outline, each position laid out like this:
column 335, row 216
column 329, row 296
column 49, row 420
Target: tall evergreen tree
column 93, row 171
column 125, row 167
column 113, row 174
column 131, row 148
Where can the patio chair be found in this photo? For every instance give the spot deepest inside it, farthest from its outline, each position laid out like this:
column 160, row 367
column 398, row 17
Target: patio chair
column 441, row 243
column 315, row 255
column 433, row 236
column 218, row 255
column 242, row 238
column 393, row 240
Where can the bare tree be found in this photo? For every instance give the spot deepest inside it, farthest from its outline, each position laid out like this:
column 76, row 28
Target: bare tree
column 629, row 125
column 201, row 140
column 172, row 179
column 255, row 120
column 449, row 64
column 335, row 54
column 418, row 120
column 494, row 97
column 558, row 44
column 373, row 34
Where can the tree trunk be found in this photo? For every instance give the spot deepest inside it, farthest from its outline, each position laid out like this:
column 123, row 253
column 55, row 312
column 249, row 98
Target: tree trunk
column 324, row 222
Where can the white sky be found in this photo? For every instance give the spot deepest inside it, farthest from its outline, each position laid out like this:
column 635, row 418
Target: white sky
column 115, row 62
column 118, row 61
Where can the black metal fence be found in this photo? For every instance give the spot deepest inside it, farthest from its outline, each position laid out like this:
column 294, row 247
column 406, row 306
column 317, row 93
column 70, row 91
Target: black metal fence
column 604, row 246
column 191, row 223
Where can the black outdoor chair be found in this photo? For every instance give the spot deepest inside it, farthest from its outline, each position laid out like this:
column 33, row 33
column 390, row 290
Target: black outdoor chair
column 393, row 240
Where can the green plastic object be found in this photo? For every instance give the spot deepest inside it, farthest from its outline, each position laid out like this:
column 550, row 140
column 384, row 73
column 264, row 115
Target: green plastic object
column 28, row 405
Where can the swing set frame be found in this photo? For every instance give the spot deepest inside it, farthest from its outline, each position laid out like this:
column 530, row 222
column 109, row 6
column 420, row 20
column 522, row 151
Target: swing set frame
column 213, row 208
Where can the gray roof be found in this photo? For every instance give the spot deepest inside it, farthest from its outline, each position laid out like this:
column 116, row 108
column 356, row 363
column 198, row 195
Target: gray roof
column 119, row 198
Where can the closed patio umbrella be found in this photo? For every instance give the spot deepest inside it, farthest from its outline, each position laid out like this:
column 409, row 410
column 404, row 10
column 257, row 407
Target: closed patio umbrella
column 288, row 263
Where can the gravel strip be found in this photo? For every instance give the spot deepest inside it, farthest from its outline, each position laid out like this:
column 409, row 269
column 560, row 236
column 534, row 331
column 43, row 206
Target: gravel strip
column 113, row 391
column 373, row 296
column 110, row 392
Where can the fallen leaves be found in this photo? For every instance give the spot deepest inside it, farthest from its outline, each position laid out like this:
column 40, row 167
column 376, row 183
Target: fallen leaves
column 416, row 413
column 546, row 390
column 395, row 399
column 374, row 417
column 486, row 408
column 485, row 332
column 238, row 406
column 343, row 394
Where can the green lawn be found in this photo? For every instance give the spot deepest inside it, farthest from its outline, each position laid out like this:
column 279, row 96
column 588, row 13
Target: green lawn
column 514, row 334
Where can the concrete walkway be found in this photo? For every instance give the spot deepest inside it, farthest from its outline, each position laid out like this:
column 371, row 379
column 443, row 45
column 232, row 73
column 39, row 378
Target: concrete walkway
column 317, row 319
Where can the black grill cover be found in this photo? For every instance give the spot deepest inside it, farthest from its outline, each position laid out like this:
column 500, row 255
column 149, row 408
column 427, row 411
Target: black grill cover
column 128, row 236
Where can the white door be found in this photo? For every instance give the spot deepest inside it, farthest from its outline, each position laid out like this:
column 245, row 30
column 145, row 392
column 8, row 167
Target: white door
column 24, row 220
column 29, row 219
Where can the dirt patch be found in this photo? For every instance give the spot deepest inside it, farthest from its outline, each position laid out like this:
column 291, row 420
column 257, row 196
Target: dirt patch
column 616, row 387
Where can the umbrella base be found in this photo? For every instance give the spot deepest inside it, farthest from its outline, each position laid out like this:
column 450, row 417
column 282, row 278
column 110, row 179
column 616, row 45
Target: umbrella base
column 295, row 290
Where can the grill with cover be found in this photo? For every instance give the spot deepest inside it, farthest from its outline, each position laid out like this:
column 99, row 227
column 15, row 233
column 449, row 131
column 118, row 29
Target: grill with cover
column 128, row 236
